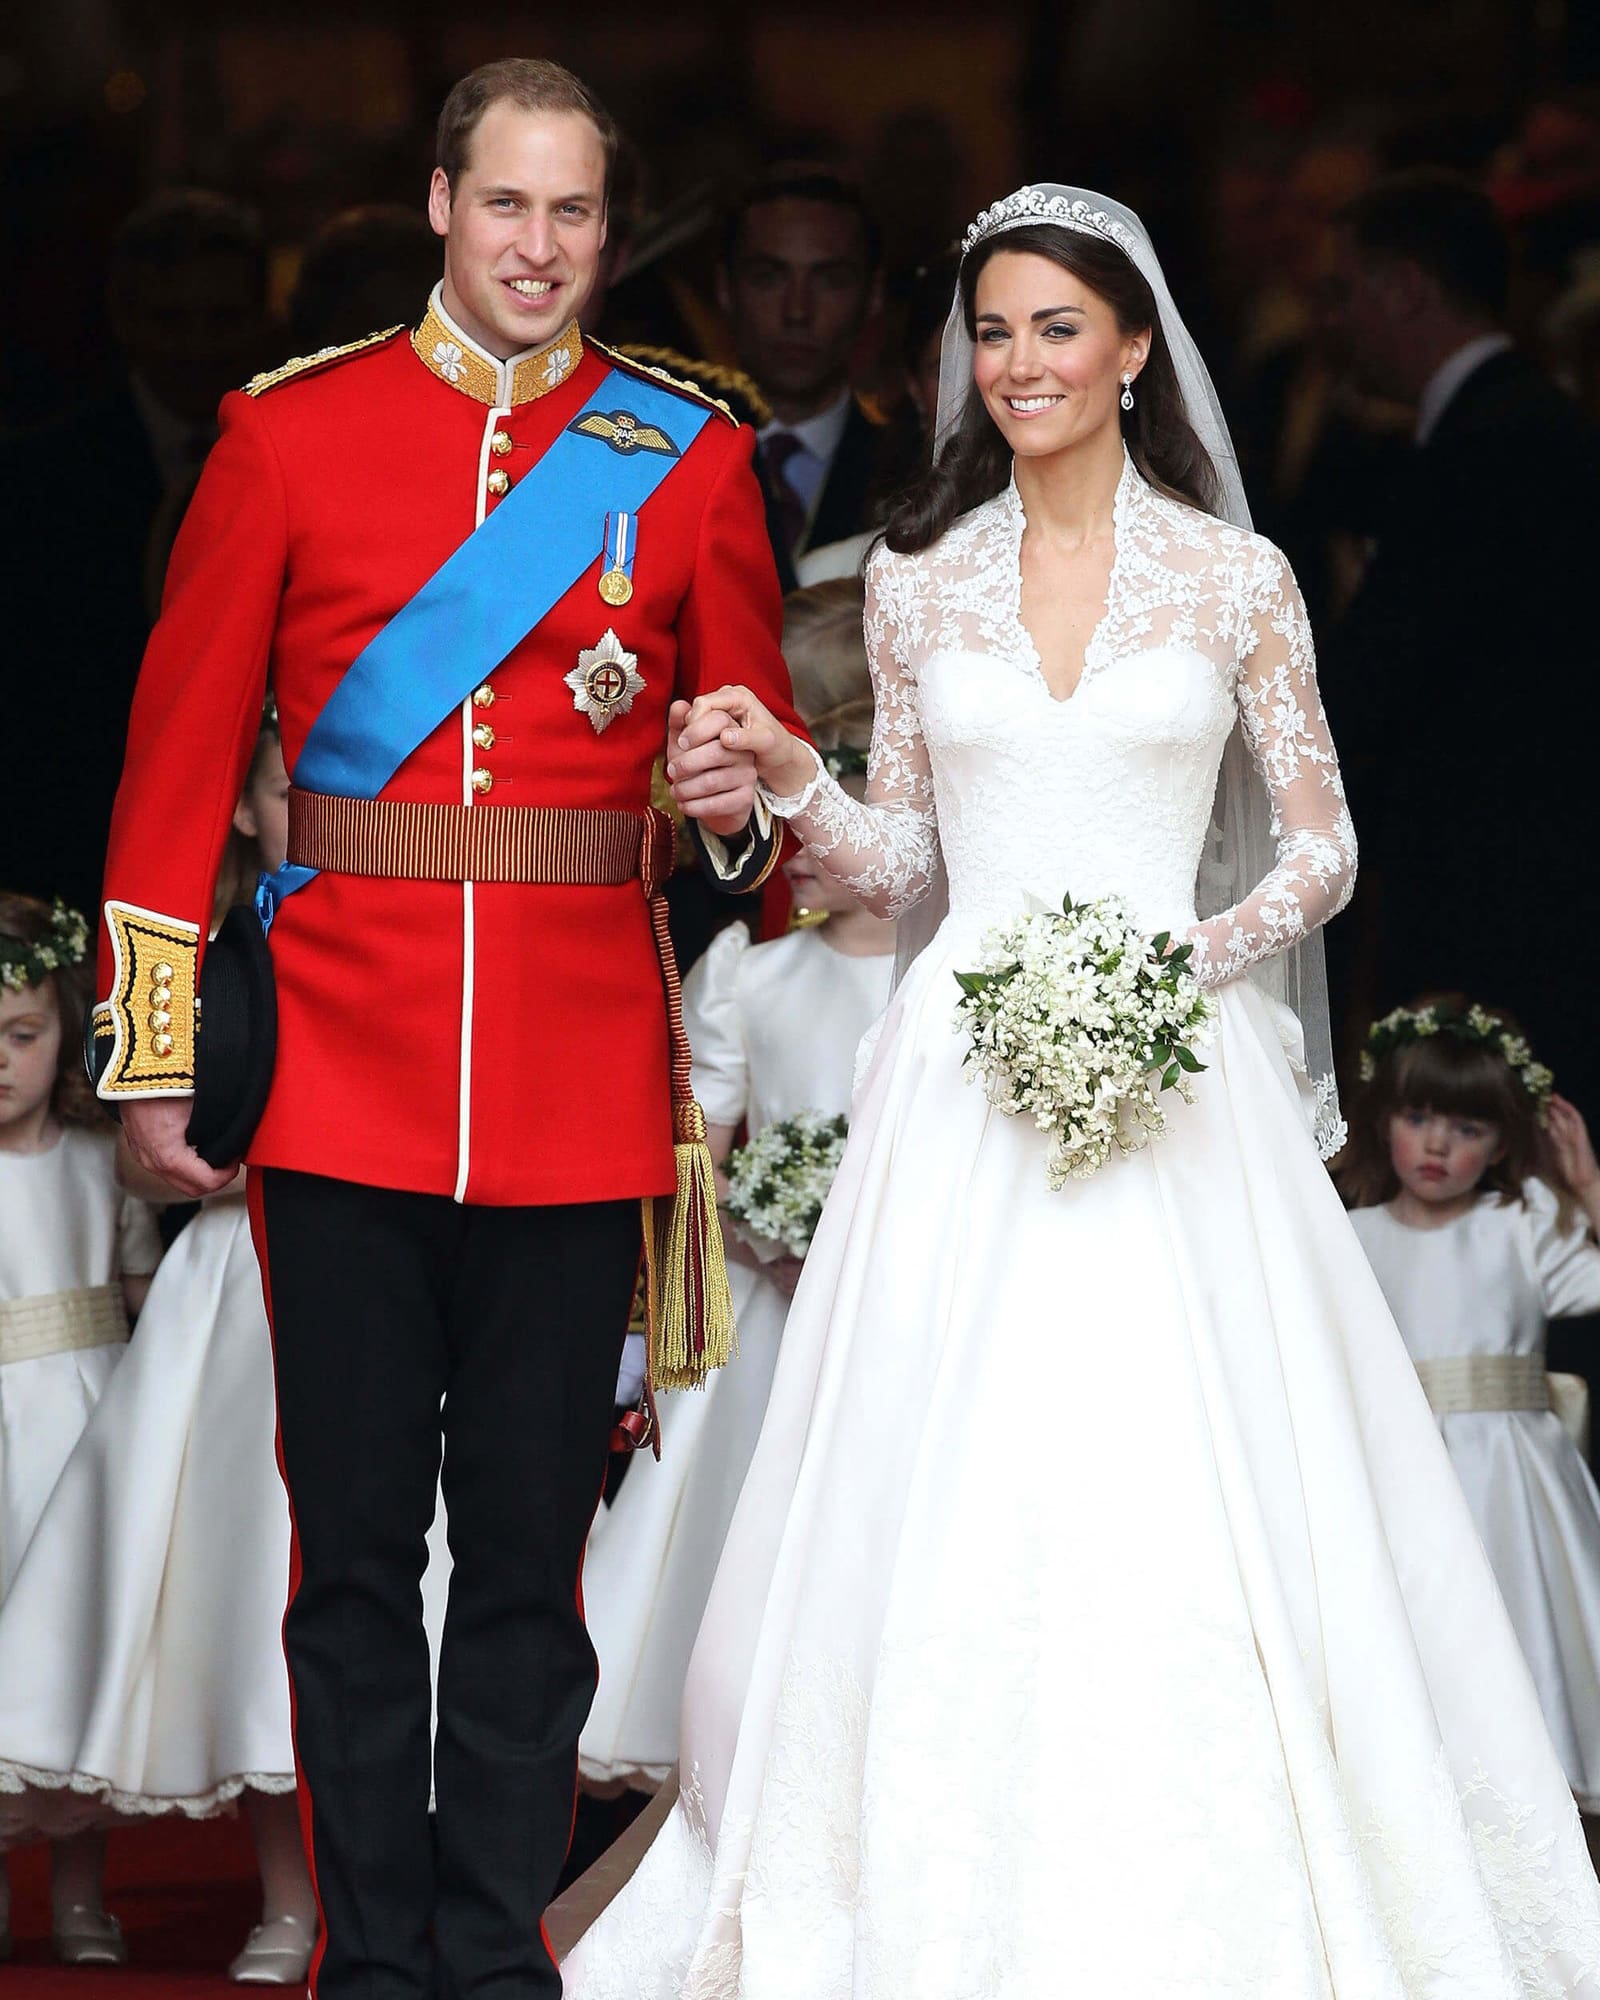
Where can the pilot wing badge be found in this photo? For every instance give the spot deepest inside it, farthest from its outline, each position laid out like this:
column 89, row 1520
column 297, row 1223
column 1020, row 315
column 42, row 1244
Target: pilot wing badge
column 625, row 433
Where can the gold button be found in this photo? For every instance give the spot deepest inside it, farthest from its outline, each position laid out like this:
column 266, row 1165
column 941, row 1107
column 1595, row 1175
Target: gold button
column 483, row 697
column 500, row 443
column 160, row 1018
column 161, row 996
column 162, row 1044
column 482, row 781
column 499, row 481
column 161, row 973
column 482, row 736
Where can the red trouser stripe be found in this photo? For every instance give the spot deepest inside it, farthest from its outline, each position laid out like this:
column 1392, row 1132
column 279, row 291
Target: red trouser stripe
column 258, row 1232
column 572, row 1823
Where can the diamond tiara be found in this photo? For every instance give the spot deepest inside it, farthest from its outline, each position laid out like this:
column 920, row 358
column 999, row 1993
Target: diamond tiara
column 1031, row 204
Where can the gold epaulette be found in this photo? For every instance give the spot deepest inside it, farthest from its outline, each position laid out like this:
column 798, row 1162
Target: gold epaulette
column 631, row 359
column 305, row 364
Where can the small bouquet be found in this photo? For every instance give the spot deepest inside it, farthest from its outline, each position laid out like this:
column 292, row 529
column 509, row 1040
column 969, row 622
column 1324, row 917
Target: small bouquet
column 1080, row 1019
column 779, row 1181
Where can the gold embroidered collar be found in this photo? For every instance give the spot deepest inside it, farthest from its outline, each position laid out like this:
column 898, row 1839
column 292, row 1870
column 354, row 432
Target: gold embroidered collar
column 458, row 359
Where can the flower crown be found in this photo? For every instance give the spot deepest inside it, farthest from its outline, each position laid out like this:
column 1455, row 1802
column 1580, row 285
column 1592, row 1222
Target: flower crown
column 1469, row 1024
column 1031, row 204
column 66, row 941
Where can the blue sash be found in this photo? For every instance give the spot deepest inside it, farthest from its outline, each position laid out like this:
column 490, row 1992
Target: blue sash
column 481, row 603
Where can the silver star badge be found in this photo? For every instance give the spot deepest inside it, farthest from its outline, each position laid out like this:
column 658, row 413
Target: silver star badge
column 605, row 681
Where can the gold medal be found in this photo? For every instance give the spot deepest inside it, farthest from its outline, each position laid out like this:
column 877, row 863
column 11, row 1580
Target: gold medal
column 616, row 587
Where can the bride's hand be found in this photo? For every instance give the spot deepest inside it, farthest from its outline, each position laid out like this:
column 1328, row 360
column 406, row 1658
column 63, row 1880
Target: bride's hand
column 722, row 735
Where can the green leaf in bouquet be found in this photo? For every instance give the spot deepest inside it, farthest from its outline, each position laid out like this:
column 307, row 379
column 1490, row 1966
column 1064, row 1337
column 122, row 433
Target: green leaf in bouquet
column 1160, row 1055
column 1169, row 1076
column 1188, row 1060
column 1066, row 906
column 1182, row 955
column 1159, row 943
column 971, row 983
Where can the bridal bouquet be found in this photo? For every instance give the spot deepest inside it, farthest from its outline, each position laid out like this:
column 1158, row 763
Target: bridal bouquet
column 1079, row 1018
column 779, row 1181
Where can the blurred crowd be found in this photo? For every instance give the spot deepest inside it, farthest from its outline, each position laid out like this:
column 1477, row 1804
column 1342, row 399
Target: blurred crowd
column 1403, row 319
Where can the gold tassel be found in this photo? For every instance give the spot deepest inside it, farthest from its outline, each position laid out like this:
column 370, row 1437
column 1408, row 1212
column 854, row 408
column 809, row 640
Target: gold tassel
column 686, row 1273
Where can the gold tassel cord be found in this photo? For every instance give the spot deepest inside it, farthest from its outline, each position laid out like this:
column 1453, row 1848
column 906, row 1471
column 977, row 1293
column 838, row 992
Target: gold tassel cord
column 690, row 1306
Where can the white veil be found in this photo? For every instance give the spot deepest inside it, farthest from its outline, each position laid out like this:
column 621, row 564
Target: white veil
column 1241, row 848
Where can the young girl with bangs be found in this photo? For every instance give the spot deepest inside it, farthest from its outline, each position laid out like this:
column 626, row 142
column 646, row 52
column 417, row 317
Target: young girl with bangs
column 141, row 1657
column 76, row 1254
column 1476, row 1196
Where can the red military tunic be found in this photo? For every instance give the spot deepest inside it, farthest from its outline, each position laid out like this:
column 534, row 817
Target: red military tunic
column 502, row 1043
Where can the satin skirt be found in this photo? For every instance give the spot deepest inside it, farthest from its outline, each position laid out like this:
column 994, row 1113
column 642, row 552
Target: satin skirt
column 653, row 1555
column 141, row 1657
column 1101, row 1613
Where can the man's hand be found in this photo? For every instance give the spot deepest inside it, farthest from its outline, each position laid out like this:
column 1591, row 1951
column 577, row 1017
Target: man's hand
column 712, row 783
column 719, row 747
column 156, row 1129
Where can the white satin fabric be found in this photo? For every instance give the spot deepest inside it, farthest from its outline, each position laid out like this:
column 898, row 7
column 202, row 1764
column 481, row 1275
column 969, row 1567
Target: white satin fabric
column 64, row 1224
column 1000, row 1694
column 141, row 1657
column 774, row 1028
column 1486, row 1284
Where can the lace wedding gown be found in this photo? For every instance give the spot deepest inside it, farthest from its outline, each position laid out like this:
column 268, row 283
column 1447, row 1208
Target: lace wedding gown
column 1101, row 1614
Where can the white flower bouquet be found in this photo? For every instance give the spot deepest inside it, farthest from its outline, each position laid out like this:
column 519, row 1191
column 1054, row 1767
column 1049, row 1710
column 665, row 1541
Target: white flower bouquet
column 1079, row 1019
column 778, row 1182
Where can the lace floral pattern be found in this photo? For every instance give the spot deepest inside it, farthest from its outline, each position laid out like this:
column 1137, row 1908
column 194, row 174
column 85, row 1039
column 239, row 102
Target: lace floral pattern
column 1101, row 1614
column 1183, row 586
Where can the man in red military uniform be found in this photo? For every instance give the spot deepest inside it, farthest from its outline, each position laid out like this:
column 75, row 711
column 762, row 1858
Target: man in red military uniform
column 471, row 1093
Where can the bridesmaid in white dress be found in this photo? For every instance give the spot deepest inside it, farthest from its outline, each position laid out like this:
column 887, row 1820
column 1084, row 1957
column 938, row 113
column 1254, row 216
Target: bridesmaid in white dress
column 1001, row 1693
column 141, row 1652
column 774, row 1029
column 76, row 1254
column 1481, row 1229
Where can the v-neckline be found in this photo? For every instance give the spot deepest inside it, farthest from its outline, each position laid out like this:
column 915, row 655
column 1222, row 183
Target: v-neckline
column 1031, row 654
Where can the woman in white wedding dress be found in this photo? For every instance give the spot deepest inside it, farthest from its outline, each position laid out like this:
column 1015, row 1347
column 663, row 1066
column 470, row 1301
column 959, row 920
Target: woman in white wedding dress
column 1101, row 1615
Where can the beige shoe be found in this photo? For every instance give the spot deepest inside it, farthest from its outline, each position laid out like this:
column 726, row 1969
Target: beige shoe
column 85, row 1936
column 275, row 1954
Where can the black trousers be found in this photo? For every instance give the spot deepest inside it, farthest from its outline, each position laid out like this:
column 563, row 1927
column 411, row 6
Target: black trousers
column 383, row 1304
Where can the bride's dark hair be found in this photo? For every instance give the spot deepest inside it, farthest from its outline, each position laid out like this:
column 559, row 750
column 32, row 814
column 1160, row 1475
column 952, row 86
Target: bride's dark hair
column 976, row 462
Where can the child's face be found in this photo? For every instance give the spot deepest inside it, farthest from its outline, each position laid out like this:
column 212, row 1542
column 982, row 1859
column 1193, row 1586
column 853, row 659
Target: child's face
column 1440, row 1158
column 262, row 814
column 812, row 888
column 30, row 1050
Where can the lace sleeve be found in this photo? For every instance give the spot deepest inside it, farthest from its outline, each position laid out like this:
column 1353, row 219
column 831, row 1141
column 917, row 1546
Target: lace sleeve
column 885, row 849
column 1282, row 719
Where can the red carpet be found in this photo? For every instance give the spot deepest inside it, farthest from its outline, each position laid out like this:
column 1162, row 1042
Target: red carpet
column 186, row 1894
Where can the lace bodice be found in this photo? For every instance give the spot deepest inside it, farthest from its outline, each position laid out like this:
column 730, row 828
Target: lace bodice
column 1112, row 789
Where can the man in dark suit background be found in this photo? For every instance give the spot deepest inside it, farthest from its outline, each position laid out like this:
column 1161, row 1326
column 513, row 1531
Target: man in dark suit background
column 800, row 277
column 92, row 505
column 1456, row 682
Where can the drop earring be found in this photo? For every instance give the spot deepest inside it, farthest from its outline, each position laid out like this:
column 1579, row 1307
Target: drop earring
column 1127, row 392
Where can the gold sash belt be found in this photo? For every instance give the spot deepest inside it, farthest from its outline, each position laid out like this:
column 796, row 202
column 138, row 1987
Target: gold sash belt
column 60, row 1322
column 1459, row 1384
column 437, row 843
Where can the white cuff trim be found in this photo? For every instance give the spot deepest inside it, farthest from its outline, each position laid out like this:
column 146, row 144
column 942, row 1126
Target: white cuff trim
column 790, row 807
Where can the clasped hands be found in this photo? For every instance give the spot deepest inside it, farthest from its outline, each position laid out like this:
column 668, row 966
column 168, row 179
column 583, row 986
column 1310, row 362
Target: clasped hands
column 720, row 747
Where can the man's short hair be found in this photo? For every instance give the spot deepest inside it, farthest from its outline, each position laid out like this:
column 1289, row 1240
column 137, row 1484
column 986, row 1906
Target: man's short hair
column 530, row 83
column 178, row 225
column 802, row 184
column 1444, row 225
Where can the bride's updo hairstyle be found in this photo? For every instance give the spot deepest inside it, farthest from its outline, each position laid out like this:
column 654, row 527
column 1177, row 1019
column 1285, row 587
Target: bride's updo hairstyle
column 975, row 463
